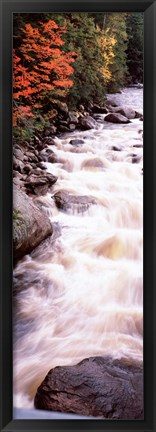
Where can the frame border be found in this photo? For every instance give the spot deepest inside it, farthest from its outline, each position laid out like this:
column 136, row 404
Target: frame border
column 7, row 8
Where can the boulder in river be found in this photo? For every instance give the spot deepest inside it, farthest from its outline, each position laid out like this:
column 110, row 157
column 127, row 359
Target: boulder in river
column 97, row 386
column 125, row 111
column 39, row 185
column 68, row 202
column 93, row 163
column 30, row 224
column 76, row 141
column 116, row 118
column 87, row 122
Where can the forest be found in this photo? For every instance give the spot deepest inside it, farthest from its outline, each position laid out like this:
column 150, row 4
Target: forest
column 74, row 57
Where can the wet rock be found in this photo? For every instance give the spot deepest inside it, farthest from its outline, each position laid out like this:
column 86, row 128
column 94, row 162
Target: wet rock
column 30, row 224
column 125, row 111
column 76, row 141
column 116, row 118
column 87, row 123
column 49, row 141
column 41, row 165
column 100, row 110
column 68, row 202
column 50, row 130
column 138, row 145
column 18, row 154
column 27, row 168
column 18, row 165
column 72, row 126
column 53, row 158
column 138, row 115
column 37, row 141
column 93, row 163
column 73, row 118
column 141, row 118
column 39, row 185
column 31, row 157
column 136, row 158
column 44, row 154
column 116, row 148
column 97, row 386
column 63, row 128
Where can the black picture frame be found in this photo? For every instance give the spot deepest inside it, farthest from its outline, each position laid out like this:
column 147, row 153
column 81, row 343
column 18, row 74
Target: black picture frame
column 149, row 9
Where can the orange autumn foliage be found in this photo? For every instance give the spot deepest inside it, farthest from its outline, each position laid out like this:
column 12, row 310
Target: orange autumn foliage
column 42, row 67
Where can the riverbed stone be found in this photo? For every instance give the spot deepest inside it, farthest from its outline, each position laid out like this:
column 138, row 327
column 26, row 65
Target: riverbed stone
column 71, row 203
column 97, row 386
column 87, row 122
column 116, row 118
column 99, row 109
column 125, row 111
column 93, row 163
column 39, row 185
column 31, row 225
column 76, row 141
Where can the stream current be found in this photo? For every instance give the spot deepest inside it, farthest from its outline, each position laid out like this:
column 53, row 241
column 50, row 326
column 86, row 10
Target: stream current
column 82, row 289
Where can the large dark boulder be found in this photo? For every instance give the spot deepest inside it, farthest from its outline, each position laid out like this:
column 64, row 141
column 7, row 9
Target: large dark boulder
column 30, row 224
column 116, row 118
column 68, row 202
column 87, row 122
column 97, row 386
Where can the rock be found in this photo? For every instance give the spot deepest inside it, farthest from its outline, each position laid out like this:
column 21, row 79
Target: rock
column 40, row 185
column 136, row 158
column 141, row 118
column 93, row 163
column 27, row 168
column 116, row 148
column 110, row 103
column 44, row 154
column 76, row 141
column 63, row 128
column 100, row 110
column 18, row 165
column 87, row 123
column 37, row 141
column 68, row 202
column 138, row 115
column 125, row 111
column 49, row 141
column 30, row 225
column 72, row 118
column 41, row 165
column 50, row 130
column 53, row 158
column 19, row 154
column 97, row 386
column 31, row 157
column 116, row 118
column 61, row 107
column 72, row 126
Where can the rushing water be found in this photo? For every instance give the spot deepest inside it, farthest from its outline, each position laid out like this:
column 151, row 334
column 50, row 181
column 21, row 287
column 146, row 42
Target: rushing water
column 81, row 293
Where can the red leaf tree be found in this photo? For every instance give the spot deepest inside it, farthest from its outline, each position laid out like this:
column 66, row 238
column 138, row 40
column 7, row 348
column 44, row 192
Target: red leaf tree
column 40, row 66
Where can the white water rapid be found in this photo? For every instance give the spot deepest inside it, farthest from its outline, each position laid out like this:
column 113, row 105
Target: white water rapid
column 82, row 290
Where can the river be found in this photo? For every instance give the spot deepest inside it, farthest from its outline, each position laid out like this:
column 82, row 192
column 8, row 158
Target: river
column 81, row 292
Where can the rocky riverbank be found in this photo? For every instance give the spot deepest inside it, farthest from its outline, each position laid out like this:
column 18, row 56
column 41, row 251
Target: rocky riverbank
column 30, row 177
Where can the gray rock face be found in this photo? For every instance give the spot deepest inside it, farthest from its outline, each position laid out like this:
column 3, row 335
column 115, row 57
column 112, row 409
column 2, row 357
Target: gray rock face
column 116, row 118
column 97, row 386
column 30, row 225
column 67, row 202
column 87, row 122
column 125, row 111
